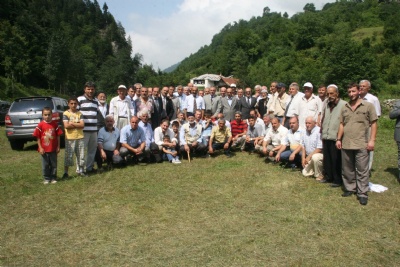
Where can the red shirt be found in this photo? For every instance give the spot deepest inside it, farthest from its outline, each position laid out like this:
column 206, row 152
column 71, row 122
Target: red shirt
column 238, row 127
column 48, row 132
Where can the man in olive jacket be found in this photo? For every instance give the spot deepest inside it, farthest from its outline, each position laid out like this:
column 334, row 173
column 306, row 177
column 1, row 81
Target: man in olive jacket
column 395, row 114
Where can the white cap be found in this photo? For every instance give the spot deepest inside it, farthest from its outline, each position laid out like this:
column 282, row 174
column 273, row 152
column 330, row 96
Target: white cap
column 233, row 85
column 308, row 84
column 122, row 86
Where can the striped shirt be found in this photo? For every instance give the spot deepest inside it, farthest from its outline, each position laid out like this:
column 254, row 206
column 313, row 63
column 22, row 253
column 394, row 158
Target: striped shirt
column 238, row 127
column 88, row 108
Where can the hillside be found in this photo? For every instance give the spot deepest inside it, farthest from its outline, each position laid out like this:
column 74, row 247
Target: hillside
column 345, row 41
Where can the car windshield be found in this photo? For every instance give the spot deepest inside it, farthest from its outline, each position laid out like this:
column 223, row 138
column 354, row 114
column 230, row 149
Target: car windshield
column 27, row 105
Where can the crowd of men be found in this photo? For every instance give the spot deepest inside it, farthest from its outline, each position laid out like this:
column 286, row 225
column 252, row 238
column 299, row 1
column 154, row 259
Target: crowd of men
column 320, row 134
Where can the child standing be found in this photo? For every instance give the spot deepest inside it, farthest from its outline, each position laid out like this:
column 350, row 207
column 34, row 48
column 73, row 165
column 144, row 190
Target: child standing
column 48, row 138
column 171, row 153
column 73, row 124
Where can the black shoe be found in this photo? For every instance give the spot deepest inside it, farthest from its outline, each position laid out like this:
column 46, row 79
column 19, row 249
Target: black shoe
column 363, row 200
column 335, row 185
column 324, row 181
column 229, row 155
column 65, row 176
column 398, row 178
column 347, row 194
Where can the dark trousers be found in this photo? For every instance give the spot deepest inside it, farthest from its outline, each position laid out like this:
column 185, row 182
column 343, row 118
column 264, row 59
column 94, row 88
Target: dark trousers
column 249, row 146
column 49, row 165
column 200, row 149
column 398, row 154
column 109, row 158
column 218, row 146
column 332, row 162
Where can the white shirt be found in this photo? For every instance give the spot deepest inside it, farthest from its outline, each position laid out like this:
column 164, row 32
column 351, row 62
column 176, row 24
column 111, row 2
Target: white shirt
column 276, row 137
column 258, row 121
column 159, row 135
column 294, row 104
column 309, row 107
column 121, row 107
column 374, row 101
column 199, row 103
column 312, row 140
column 293, row 138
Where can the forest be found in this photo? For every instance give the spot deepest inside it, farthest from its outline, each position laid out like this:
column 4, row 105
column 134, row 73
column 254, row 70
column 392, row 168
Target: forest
column 58, row 45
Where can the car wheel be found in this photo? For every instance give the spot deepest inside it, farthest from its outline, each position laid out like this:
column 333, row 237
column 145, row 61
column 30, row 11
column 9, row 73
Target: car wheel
column 17, row 145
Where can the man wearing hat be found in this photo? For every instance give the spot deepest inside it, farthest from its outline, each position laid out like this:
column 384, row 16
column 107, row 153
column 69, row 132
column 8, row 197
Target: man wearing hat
column 310, row 105
column 121, row 108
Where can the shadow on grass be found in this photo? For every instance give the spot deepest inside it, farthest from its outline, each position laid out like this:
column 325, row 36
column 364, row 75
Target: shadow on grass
column 393, row 171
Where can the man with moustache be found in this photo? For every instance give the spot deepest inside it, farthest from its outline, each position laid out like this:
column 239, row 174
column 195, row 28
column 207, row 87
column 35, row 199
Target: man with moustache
column 144, row 102
column 279, row 105
column 133, row 141
column 355, row 141
column 247, row 103
column 190, row 138
column 332, row 157
column 273, row 140
column 157, row 108
column 229, row 105
column 292, row 104
column 167, row 106
column 311, row 155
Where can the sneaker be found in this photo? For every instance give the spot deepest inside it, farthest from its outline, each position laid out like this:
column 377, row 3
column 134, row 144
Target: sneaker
column 54, row 181
column 46, row 182
column 177, row 161
column 65, row 176
column 173, row 161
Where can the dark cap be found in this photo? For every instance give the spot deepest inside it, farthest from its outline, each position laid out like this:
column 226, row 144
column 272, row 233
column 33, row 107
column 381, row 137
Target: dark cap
column 280, row 85
column 189, row 114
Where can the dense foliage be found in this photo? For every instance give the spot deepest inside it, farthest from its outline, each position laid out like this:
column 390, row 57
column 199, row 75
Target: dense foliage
column 61, row 44
column 345, row 41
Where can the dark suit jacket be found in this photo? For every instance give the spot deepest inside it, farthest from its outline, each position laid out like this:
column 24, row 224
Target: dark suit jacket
column 229, row 110
column 100, row 119
column 156, row 115
column 395, row 114
column 245, row 108
column 262, row 106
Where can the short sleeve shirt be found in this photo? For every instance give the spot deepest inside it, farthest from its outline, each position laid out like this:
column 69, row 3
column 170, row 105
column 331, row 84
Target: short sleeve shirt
column 74, row 133
column 48, row 132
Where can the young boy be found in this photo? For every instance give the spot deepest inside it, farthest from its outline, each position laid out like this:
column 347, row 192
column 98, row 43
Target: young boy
column 73, row 124
column 171, row 153
column 48, row 138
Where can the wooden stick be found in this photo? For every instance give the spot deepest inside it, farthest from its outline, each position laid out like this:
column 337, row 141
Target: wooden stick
column 188, row 154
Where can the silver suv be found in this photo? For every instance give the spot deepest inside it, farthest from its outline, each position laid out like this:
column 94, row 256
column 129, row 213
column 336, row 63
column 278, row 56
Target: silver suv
column 24, row 115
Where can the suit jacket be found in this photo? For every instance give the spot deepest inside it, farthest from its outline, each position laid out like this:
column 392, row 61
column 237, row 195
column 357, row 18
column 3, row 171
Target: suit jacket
column 229, row 110
column 395, row 114
column 169, row 108
column 156, row 115
column 101, row 122
column 262, row 106
column 245, row 107
column 214, row 106
column 175, row 106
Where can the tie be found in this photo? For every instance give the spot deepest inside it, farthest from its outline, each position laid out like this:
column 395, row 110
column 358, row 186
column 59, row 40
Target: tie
column 194, row 104
column 287, row 108
column 163, row 102
column 248, row 101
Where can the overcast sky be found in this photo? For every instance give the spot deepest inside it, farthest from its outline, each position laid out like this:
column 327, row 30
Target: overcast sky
column 167, row 31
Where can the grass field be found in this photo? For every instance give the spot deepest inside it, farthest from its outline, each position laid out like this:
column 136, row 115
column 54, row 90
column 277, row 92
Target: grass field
column 210, row 212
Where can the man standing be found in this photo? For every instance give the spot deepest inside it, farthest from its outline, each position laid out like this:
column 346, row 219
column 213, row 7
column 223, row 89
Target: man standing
column 290, row 152
column 167, row 106
column 311, row 155
column 194, row 102
column 279, row 105
column 395, row 114
column 247, row 103
column 222, row 92
column 103, row 110
column 332, row 157
column 221, row 137
column 133, row 140
column 355, row 119
column 212, row 102
column 88, row 106
column 262, row 103
column 292, row 104
column 157, row 109
column 121, row 108
column 272, row 97
column 229, row 105
column 190, row 137
column 309, row 105
column 365, row 86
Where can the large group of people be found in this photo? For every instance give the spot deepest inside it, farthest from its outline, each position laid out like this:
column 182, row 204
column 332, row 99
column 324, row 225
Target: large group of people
column 319, row 134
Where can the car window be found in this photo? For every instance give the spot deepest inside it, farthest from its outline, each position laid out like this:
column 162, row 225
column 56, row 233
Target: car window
column 31, row 105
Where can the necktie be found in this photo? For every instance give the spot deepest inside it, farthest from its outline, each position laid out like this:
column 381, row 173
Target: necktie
column 248, row 101
column 287, row 108
column 194, row 104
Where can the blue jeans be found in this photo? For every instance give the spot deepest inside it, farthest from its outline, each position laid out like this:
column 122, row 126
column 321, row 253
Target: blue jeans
column 285, row 158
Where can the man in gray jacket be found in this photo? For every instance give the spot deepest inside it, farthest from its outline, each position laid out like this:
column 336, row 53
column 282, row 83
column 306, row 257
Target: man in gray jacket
column 229, row 105
column 395, row 114
column 213, row 102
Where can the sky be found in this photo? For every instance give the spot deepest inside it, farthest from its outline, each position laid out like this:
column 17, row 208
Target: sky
column 167, row 31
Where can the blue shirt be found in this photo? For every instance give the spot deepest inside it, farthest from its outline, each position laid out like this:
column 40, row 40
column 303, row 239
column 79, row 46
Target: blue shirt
column 132, row 137
column 148, row 132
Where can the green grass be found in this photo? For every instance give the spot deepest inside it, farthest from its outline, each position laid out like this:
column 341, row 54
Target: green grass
column 210, row 212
